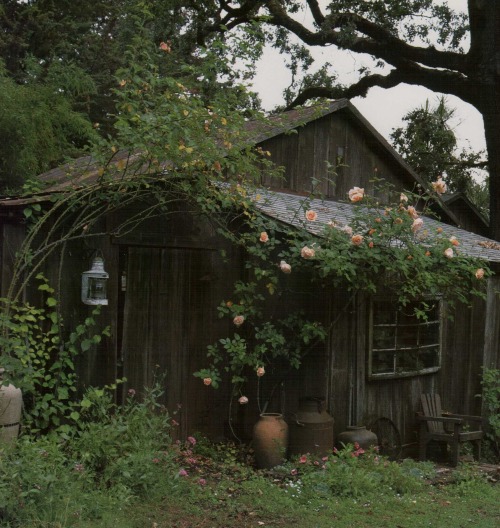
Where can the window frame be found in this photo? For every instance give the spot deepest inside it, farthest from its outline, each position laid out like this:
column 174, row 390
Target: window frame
column 397, row 351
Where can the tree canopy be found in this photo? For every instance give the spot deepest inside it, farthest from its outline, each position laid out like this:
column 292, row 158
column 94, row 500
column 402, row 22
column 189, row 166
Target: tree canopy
column 416, row 42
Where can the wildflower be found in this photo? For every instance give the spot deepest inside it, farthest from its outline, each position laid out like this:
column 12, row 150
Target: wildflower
column 439, row 186
column 175, row 423
column 417, row 224
column 243, row 400
column 285, row 267
column 311, row 215
column 191, row 440
column 264, row 237
column 238, row 320
column 378, row 220
column 183, row 473
column 427, row 253
column 454, row 241
column 332, row 223
column 207, row 381
column 357, row 239
column 403, row 198
column 372, row 231
column 448, row 253
column 122, row 83
column 371, row 244
column 347, row 229
column 79, row 468
column 293, row 472
column 479, row 273
column 202, row 482
column 165, row 46
column 307, row 253
column 356, row 194
column 303, row 459
column 260, row 371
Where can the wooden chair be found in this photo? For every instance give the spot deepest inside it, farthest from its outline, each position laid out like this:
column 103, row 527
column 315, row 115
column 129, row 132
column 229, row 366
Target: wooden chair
column 446, row 427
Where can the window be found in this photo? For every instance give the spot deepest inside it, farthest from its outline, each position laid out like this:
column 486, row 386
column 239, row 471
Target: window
column 402, row 344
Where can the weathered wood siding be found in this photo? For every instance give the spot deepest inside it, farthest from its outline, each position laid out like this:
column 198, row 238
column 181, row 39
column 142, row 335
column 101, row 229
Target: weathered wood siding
column 335, row 152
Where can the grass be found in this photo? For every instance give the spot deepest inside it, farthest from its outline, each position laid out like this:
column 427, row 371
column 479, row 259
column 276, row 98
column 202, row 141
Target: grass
column 120, row 468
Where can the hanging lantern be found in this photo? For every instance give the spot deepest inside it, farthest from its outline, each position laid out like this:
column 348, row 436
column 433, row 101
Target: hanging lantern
column 94, row 283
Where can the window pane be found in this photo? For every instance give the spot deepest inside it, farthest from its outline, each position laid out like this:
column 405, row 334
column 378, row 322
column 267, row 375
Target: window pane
column 382, row 362
column 429, row 334
column 384, row 337
column 407, row 336
column 429, row 357
column 407, row 361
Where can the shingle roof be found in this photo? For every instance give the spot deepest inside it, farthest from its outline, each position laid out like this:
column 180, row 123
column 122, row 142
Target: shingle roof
column 287, row 208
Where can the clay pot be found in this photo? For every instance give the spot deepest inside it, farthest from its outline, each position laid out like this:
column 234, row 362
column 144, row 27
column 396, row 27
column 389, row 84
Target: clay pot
column 311, row 430
column 357, row 434
column 270, row 440
column 11, row 402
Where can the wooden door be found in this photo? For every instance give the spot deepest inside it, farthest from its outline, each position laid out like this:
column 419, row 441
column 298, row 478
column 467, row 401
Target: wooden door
column 167, row 308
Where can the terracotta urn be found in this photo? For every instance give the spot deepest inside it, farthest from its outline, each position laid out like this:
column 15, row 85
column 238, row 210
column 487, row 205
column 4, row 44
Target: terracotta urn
column 270, row 440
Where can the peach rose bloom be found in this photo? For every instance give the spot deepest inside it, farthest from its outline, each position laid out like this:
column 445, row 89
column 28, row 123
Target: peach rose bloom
column 439, row 186
column 311, row 215
column 412, row 211
column 417, row 224
column 357, row 239
column 285, row 267
column 371, row 244
column 439, row 229
column 448, row 253
column 479, row 273
column 260, row 371
column 238, row 320
column 307, row 252
column 264, row 237
column 356, row 194
column 243, row 400
column 454, row 241
column 207, row 381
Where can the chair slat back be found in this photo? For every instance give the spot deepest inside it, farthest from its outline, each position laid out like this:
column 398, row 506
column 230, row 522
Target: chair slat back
column 431, row 406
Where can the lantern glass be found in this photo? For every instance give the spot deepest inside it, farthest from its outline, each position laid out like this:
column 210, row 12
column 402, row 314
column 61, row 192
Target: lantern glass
column 94, row 284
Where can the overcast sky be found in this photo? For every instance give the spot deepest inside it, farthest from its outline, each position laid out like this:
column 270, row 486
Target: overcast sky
column 383, row 108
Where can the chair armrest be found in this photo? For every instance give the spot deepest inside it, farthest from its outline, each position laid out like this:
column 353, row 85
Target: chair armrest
column 467, row 417
column 440, row 419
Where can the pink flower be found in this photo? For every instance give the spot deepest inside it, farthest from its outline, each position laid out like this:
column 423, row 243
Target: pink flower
column 417, row 224
column 307, row 253
column 293, row 472
column 285, row 268
column 356, row 194
column 357, row 240
column 454, row 241
column 175, row 423
column 347, row 229
column 260, row 371
column 238, row 320
column 202, row 482
column 79, row 468
column 191, row 440
column 439, row 186
column 479, row 273
column 207, row 381
column 131, row 392
column 243, row 400
column 311, row 215
column 448, row 253
column 165, row 46
column 183, row 473
column 303, row 459
column 264, row 237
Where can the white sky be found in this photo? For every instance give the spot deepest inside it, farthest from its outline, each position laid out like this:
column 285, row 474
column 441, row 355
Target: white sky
column 383, row 108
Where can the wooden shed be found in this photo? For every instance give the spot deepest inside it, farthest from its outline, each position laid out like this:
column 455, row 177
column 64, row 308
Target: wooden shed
column 167, row 276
